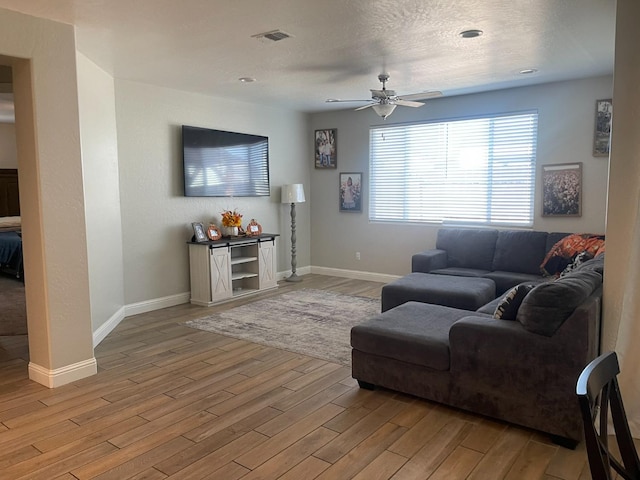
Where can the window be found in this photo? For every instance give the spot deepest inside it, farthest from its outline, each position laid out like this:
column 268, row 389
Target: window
column 476, row 171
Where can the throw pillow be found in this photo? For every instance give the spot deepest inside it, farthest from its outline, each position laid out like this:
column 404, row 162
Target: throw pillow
column 578, row 260
column 508, row 307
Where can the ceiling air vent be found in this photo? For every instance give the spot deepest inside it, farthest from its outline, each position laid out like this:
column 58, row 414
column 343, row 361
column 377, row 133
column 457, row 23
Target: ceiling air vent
column 272, row 36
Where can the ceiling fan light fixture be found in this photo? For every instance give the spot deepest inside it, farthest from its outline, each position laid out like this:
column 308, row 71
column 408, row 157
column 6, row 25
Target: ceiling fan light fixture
column 384, row 109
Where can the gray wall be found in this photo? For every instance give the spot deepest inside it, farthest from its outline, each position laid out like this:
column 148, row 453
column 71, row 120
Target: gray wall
column 565, row 134
column 8, row 150
column 156, row 217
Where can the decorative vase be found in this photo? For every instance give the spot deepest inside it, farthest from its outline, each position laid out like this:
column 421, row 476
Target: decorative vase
column 230, row 231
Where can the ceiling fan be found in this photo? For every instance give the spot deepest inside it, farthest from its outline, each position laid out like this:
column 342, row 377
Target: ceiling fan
column 384, row 101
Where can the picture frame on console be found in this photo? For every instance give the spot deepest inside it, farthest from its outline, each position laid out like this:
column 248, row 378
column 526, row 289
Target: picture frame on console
column 350, row 192
column 198, row 232
column 562, row 190
column 326, row 148
column 602, row 130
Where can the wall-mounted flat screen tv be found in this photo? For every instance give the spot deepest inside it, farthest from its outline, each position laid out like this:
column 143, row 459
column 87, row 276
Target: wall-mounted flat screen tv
column 224, row 164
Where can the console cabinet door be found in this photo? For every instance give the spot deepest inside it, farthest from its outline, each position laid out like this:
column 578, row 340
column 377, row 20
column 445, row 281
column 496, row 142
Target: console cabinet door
column 267, row 264
column 220, row 272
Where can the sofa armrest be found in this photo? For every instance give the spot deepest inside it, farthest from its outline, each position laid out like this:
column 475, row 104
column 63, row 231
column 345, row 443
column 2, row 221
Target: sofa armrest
column 429, row 260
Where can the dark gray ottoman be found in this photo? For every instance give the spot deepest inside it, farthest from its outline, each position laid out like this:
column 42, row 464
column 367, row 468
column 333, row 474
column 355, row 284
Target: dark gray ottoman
column 467, row 293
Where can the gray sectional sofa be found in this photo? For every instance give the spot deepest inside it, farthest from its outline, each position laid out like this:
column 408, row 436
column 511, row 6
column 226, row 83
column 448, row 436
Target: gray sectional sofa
column 523, row 370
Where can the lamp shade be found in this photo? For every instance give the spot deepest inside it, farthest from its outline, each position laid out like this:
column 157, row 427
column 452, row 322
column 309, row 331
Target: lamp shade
column 293, row 193
column 384, row 109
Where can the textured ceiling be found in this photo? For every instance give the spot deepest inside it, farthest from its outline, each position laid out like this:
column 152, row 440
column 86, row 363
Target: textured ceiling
column 337, row 47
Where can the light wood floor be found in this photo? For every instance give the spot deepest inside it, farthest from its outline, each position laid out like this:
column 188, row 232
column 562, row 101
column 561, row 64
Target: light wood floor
column 173, row 402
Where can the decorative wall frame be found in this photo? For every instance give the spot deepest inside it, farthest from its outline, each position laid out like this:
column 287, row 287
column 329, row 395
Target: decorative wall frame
column 351, row 192
column 198, row 232
column 562, row 190
column 214, row 233
column 602, row 130
column 326, row 148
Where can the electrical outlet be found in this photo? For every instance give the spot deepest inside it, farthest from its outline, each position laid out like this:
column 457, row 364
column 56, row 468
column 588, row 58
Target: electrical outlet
column 357, row 255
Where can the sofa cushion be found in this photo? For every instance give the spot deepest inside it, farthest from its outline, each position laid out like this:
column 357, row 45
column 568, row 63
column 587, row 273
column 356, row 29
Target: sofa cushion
column 448, row 290
column 507, row 280
column 553, row 238
column 549, row 304
column 508, row 306
column 460, row 272
column 519, row 251
column 414, row 332
column 468, row 248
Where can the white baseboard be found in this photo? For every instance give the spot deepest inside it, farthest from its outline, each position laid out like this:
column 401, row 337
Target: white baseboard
column 299, row 271
column 107, row 327
column 62, row 376
column 156, row 304
column 355, row 274
column 180, row 298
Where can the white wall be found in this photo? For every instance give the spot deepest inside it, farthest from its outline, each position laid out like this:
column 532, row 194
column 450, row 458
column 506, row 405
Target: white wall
column 8, row 150
column 156, row 217
column 565, row 134
column 624, row 179
column 96, row 101
column 43, row 57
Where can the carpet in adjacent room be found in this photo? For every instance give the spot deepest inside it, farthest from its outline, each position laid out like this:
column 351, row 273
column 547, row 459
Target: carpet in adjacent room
column 13, row 310
column 316, row 323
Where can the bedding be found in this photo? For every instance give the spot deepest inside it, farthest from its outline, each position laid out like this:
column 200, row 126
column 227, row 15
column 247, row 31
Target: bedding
column 10, row 224
column 11, row 253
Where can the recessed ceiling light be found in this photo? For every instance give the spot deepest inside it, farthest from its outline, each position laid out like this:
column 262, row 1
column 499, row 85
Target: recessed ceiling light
column 247, row 79
column 527, row 71
column 470, row 33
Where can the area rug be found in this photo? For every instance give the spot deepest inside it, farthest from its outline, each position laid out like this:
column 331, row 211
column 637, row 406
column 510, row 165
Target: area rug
column 312, row 322
column 13, row 310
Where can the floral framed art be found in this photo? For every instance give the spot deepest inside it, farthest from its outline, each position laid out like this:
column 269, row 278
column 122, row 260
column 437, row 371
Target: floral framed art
column 350, row 192
column 562, row 190
column 602, row 132
column 326, row 148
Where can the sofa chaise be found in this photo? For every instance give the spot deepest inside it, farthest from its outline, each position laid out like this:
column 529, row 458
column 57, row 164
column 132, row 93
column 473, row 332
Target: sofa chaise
column 522, row 369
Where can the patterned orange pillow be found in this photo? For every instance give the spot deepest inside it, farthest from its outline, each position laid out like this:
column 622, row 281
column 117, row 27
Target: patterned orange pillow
column 563, row 251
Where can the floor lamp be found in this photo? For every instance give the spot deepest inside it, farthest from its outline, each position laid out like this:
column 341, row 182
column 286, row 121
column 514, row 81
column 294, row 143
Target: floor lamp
column 293, row 194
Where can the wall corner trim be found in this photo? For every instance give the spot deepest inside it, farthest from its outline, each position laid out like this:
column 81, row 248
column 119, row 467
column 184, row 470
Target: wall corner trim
column 107, row 327
column 62, row 376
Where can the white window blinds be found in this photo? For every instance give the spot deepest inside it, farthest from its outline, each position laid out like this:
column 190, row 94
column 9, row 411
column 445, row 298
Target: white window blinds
column 476, row 171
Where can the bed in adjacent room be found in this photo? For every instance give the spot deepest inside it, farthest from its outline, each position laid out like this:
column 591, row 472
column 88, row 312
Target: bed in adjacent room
column 10, row 224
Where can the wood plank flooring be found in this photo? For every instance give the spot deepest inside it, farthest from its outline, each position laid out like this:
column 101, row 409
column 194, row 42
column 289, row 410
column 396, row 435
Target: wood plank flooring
column 170, row 402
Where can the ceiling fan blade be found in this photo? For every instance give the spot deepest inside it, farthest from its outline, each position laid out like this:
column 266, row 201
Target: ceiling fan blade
column 407, row 103
column 421, row 95
column 367, row 106
column 337, row 100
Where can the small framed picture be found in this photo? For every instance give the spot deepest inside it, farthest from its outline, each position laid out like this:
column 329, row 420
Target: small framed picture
column 198, row 232
column 562, row 190
column 602, row 133
column 214, row 233
column 326, row 148
column 350, row 192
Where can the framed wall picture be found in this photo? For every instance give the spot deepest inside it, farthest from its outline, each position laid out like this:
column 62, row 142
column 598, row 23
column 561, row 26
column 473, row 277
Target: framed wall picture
column 562, row 190
column 326, row 148
column 351, row 192
column 602, row 133
column 198, row 232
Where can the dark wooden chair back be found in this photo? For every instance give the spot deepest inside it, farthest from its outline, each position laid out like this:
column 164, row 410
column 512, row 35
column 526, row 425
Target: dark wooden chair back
column 598, row 392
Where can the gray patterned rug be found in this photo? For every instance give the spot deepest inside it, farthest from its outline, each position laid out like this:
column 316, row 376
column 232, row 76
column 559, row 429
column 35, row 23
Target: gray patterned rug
column 312, row 322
